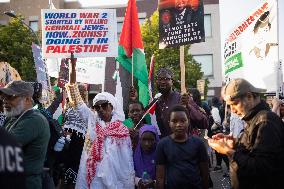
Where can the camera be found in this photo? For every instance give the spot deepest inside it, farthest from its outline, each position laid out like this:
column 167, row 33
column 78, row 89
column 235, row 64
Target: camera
column 37, row 91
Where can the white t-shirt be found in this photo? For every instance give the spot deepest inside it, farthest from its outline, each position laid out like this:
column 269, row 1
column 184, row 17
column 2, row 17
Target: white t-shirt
column 216, row 115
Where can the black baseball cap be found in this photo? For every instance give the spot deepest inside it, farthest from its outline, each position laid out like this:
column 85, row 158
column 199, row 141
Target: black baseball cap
column 18, row 88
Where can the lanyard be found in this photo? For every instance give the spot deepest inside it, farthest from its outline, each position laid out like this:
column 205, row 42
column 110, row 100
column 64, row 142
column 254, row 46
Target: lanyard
column 17, row 120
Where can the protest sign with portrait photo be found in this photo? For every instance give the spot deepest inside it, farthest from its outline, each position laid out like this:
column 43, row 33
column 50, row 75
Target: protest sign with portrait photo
column 181, row 22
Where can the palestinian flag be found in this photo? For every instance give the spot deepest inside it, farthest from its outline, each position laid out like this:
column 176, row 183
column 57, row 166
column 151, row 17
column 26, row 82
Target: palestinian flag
column 131, row 51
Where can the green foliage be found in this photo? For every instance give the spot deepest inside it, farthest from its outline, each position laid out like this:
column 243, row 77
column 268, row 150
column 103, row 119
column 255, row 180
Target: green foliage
column 15, row 48
column 168, row 57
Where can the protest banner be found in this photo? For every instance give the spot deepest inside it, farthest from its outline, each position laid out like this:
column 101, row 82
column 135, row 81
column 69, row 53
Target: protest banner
column 41, row 71
column 85, row 32
column 251, row 48
column 181, row 22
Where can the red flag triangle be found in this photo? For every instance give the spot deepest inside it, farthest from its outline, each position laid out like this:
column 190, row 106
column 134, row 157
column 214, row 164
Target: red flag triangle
column 131, row 35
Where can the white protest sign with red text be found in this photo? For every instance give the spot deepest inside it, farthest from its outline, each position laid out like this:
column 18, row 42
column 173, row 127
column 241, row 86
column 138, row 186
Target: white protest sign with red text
column 251, row 48
column 86, row 32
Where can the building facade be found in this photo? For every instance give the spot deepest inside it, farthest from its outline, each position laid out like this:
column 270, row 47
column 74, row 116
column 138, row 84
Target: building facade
column 208, row 53
column 31, row 10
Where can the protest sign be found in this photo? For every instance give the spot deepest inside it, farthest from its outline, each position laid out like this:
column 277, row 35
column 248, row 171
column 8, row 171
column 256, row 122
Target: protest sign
column 181, row 22
column 86, row 69
column 91, row 70
column 41, row 71
column 201, row 87
column 40, row 66
column 251, row 49
column 7, row 74
column 85, row 32
column 53, row 66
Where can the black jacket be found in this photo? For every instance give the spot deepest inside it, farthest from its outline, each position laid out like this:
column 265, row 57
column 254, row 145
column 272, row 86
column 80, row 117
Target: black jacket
column 259, row 156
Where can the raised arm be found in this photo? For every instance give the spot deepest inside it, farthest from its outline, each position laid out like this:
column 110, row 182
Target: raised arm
column 55, row 103
column 72, row 76
column 74, row 96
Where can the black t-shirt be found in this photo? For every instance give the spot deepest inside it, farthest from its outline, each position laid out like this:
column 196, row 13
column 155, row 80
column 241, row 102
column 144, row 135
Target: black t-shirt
column 182, row 162
column 11, row 163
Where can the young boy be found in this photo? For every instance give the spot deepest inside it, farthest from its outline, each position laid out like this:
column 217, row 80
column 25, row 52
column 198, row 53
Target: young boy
column 182, row 160
column 135, row 113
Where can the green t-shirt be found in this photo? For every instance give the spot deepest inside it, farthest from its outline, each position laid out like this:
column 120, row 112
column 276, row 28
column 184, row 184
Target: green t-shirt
column 32, row 133
column 128, row 123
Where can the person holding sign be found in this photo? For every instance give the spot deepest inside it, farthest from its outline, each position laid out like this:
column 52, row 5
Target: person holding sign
column 106, row 160
column 170, row 98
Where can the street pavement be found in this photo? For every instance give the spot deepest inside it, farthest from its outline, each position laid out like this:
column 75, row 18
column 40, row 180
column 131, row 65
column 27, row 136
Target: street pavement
column 219, row 182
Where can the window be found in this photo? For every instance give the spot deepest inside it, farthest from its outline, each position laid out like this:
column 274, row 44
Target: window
column 119, row 27
column 141, row 21
column 120, row 24
column 34, row 25
column 207, row 25
column 206, row 62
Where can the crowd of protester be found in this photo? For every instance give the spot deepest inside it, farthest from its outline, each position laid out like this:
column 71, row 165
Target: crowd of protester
column 97, row 147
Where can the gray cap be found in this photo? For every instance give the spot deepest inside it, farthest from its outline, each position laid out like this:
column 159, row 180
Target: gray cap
column 238, row 87
column 18, row 88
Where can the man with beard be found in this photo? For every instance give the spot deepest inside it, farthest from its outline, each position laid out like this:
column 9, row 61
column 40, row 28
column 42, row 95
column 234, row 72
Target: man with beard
column 28, row 126
column 170, row 98
column 256, row 158
column 183, row 12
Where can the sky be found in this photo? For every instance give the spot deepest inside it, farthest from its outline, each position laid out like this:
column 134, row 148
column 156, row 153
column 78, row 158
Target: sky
column 99, row 3
column 94, row 2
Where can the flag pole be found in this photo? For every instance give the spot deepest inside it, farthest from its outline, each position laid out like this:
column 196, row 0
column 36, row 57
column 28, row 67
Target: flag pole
column 132, row 72
column 182, row 70
column 279, row 64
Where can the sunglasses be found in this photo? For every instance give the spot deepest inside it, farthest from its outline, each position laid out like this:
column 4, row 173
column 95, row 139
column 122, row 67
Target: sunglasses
column 103, row 106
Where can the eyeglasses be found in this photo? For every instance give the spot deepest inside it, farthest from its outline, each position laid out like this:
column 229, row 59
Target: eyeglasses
column 103, row 106
column 164, row 79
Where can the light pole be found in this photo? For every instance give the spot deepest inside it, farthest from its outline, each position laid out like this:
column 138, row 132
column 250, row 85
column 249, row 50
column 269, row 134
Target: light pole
column 12, row 14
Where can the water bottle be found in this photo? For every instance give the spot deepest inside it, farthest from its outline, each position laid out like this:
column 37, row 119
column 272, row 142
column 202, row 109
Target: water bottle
column 146, row 178
column 59, row 144
column 68, row 138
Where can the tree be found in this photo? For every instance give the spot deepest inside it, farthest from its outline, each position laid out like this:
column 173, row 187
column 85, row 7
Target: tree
column 168, row 57
column 15, row 48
